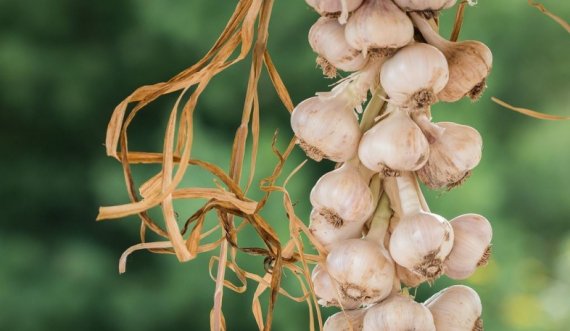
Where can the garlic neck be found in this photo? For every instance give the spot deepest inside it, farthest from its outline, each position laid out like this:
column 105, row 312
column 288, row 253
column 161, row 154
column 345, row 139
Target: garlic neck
column 409, row 201
column 431, row 36
column 380, row 221
column 432, row 131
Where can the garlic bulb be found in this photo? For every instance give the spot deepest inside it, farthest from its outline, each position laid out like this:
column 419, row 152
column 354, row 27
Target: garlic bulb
column 379, row 25
column 394, row 144
column 421, row 241
column 348, row 320
column 343, row 195
column 326, row 126
column 469, row 62
column 414, row 75
column 326, row 38
column 456, row 308
column 453, row 154
column 327, row 292
column 334, row 7
column 362, row 269
column 328, row 233
column 398, row 313
column 424, row 5
column 471, row 246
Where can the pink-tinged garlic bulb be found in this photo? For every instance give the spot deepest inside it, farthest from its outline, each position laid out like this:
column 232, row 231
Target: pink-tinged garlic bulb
column 421, row 241
column 455, row 150
column 469, row 62
column 326, row 38
column 343, row 196
column 414, row 76
column 424, row 5
column 326, row 126
column 327, row 291
column 362, row 269
column 456, row 308
column 471, row 246
column 348, row 320
column 398, row 313
column 328, row 234
column 394, row 144
column 379, row 26
column 335, row 7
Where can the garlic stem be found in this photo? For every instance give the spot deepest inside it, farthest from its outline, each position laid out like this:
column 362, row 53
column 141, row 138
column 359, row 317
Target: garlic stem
column 421, row 197
column 429, row 34
column 374, row 109
column 380, row 221
column 409, row 200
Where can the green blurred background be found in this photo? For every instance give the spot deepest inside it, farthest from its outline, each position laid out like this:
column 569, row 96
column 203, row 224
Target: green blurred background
column 65, row 64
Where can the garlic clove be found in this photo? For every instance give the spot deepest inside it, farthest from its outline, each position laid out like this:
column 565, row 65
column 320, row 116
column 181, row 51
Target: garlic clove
column 456, row 308
column 453, row 155
column 335, row 8
column 327, row 127
column 470, row 63
column 326, row 38
column 425, row 5
column 379, row 26
column 471, row 246
column 348, row 320
column 414, row 75
column 343, row 195
column 327, row 291
column 394, row 144
column 362, row 269
column 328, row 233
column 398, row 313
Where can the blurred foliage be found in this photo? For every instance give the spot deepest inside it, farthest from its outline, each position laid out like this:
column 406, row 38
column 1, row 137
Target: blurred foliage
column 65, row 64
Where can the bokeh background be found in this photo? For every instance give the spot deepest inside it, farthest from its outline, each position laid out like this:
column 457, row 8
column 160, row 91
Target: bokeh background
column 65, row 64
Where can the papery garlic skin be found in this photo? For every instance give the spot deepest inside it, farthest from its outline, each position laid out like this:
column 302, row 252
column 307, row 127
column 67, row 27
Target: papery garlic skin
column 362, row 269
column 453, row 155
column 327, row 292
column 326, row 127
column 333, row 7
column 456, row 308
column 379, row 25
column 469, row 61
column 394, row 144
column 398, row 313
column 348, row 320
column 329, row 234
column 343, row 195
column 421, row 241
column 409, row 278
column 414, row 75
column 326, row 38
column 424, row 5
column 471, row 247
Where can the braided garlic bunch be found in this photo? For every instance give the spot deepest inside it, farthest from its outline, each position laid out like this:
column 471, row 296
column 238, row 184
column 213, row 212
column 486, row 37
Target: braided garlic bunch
column 369, row 214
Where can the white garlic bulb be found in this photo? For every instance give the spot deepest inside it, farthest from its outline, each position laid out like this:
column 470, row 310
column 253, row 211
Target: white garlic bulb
column 343, row 195
column 334, row 7
column 326, row 38
column 469, row 62
column 362, row 269
column 398, row 313
column 394, row 144
column 348, row 320
column 471, row 246
column 327, row 291
column 414, row 75
column 453, row 154
column 424, row 5
column 326, row 126
column 456, row 308
column 328, row 233
column 379, row 25
column 421, row 241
